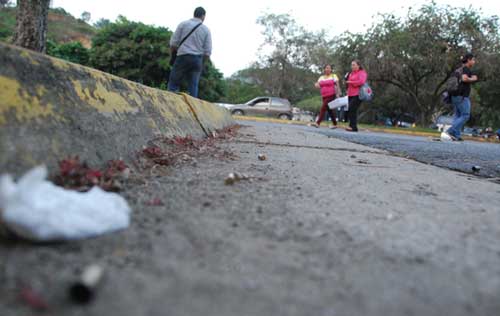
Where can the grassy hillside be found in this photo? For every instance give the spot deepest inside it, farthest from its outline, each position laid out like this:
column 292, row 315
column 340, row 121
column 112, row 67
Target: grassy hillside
column 62, row 28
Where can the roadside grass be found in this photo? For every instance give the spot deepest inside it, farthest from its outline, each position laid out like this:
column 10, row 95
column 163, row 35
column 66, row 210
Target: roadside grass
column 402, row 130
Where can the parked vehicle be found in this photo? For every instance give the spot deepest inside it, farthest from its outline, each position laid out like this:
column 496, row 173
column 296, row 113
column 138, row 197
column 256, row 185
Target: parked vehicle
column 401, row 120
column 225, row 105
column 265, row 106
column 487, row 133
column 471, row 131
column 404, row 124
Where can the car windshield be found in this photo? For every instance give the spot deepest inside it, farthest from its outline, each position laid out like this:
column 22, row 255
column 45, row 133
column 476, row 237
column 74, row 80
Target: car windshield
column 258, row 101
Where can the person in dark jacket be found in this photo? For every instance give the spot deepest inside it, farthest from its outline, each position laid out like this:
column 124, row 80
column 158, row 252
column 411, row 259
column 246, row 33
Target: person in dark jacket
column 461, row 99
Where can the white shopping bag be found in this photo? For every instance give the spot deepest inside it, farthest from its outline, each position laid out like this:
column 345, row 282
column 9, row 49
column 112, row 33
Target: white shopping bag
column 339, row 102
column 36, row 209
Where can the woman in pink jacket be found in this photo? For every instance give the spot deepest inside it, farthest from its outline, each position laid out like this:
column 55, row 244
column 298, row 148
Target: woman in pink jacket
column 355, row 80
column 328, row 84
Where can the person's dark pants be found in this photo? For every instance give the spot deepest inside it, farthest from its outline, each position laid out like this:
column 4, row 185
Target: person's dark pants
column 354, row 103
column 342, row 114
column 325, row 108
column 186, row 67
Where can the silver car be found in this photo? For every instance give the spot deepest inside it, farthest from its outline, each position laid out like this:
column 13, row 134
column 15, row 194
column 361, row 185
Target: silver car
column 265, row 106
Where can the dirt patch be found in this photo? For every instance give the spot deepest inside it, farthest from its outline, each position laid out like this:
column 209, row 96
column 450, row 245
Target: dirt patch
column 159, row 154
column 165, row 151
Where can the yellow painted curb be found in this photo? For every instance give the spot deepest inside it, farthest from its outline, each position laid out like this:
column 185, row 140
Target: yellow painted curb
column 51, row 108
column 208, row 115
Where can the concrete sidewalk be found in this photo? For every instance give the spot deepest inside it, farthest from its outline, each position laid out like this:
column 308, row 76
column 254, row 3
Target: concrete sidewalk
column 324, row 227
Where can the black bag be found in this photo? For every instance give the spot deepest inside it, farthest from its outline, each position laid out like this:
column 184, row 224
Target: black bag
column 173, row 54
column 452, row 85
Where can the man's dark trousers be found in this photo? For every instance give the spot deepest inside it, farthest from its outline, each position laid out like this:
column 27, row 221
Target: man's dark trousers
column 186, row 67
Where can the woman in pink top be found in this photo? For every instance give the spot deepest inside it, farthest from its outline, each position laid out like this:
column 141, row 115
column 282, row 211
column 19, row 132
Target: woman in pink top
column 329, row 87
column 355, row 80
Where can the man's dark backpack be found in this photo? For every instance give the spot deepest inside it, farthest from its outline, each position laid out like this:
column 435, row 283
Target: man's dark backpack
column 452, row 85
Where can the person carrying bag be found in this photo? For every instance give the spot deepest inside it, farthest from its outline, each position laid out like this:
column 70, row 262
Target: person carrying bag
column 329, row 87
column 191, row 45
column 355, row 83
column 173, row 51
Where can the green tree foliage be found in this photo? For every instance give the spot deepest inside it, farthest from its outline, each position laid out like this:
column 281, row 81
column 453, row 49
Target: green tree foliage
column 140, row 53
column 486, row 111
column 7, row 22
column 212, row 84
column 73, row 52
column 286, row 69
column 102, row 23
column 132, row 50
column 312, row 104
column 86, row 16
column 240, row 91
column 409, row 59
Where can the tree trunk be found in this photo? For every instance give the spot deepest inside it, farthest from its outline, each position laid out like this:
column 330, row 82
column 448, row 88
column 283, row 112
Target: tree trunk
column 31, row 24
column 423, row 119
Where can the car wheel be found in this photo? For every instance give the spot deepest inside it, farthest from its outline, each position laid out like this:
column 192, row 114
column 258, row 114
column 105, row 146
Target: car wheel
column 284, row 117
column 238, row 112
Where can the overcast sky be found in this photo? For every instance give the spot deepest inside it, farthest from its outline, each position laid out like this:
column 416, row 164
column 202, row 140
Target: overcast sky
column 235, row 34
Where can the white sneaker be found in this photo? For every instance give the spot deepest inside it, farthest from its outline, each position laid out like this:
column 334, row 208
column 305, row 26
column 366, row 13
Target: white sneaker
column 445, row 137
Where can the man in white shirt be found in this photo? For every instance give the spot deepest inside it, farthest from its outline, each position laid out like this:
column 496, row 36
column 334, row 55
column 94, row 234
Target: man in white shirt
column 191, row 53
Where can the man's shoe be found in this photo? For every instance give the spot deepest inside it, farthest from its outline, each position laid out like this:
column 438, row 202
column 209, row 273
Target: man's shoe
column 452, row 137
column 313, row 125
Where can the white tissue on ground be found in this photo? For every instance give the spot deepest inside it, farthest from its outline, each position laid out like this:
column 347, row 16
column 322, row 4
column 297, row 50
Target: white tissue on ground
column 36, row 209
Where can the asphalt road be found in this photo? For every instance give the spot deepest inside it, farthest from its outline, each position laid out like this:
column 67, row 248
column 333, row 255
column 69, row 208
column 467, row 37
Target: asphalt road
column 460, row 156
